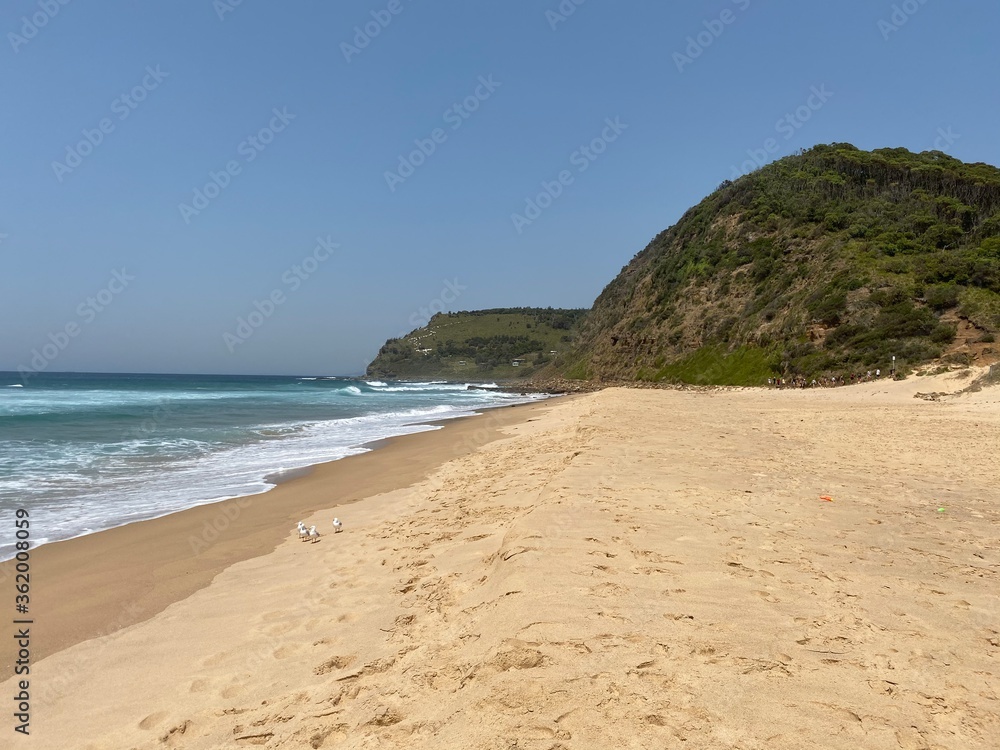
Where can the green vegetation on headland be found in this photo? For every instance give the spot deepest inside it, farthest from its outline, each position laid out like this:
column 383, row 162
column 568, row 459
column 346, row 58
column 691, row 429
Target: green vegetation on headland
column 826, row 263
column 508, row 343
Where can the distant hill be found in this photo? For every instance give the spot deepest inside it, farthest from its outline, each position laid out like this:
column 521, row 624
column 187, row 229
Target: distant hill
column 508, row 343
column 823, row 263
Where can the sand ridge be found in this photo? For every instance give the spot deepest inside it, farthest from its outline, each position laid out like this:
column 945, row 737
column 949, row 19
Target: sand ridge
column 628, row 569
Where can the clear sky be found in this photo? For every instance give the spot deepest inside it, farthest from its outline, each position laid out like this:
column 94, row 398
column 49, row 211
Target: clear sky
column 329, row 171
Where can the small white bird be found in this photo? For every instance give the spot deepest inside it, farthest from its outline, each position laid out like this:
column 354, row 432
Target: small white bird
column 303, row 532
column 313, row 534
column 337, row 526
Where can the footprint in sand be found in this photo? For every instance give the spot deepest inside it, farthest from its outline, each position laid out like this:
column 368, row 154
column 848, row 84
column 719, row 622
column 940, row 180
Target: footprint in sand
column 216, row 659
column 334, row 735
column 378, row 666
column 174, row 733
column 285, row 651
column 655, row 557
column 743, row 570
column 152, row 720
column 612, row 616
column 652, row 570
column 767, row 597
column 517, row 655
column 385, row 717
column 608, row 589
column 408, row 585
column 277, row 630
column 545, row 733
column 334, row 664
column 677, row 617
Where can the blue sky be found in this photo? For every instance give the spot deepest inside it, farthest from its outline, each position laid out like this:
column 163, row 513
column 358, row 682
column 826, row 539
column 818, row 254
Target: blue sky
column 350, row 183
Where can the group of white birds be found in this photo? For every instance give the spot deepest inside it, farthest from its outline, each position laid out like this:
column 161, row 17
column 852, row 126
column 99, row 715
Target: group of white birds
column 311, row 535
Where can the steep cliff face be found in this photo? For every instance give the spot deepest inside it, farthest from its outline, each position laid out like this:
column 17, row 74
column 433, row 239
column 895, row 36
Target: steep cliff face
column 827, row 262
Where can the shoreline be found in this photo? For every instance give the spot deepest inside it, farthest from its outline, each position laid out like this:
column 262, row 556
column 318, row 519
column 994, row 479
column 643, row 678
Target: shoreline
column 170, row 557
column 142, row 480
column 276, row 478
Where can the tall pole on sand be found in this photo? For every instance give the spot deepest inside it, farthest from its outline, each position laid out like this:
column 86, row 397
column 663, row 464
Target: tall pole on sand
column 893, row 365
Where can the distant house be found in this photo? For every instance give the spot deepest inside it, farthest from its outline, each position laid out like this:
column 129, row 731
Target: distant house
column 517, row 362
column 553, row 352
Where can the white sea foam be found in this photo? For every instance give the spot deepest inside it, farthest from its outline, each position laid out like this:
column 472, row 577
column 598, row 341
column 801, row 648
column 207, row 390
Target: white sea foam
column 436, row 386
column 34, row 401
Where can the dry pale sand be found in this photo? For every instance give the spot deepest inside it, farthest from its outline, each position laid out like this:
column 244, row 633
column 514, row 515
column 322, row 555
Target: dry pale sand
column 637, row 569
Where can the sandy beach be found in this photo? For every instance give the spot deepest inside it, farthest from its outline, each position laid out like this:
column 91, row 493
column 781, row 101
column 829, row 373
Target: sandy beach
column 627, row 568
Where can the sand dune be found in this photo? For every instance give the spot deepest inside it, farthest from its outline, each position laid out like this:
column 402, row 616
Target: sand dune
column 629, row 569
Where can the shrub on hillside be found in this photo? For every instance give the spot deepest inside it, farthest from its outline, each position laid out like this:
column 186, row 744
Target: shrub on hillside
column 943, row 334
column 905, row 320
column 942, row 296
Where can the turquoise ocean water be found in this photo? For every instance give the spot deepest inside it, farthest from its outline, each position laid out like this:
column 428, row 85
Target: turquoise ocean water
column 85, row 452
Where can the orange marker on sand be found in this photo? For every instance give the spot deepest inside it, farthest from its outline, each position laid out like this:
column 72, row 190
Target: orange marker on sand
column 826, row 498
